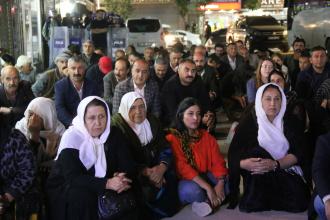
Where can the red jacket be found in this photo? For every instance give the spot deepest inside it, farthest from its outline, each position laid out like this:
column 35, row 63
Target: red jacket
column 206, row 153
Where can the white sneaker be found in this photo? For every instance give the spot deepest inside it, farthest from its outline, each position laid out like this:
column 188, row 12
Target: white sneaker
column 202, row 209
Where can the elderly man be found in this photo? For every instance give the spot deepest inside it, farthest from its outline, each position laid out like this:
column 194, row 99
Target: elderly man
column 70, row 90
column 26, row 71
column 185, row 84
column 141, row 83
column 110, row 81
column 88, row 54
column 161, row 73
column 44, row 86
column 15, row 95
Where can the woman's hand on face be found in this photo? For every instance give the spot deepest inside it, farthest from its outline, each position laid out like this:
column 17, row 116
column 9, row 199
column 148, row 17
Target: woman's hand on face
column 118, row 183
column 34, row 124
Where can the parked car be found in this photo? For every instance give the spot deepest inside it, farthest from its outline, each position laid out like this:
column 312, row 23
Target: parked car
column 258, row 31
column 189, row 38
column 171, row 38
column 144, row 32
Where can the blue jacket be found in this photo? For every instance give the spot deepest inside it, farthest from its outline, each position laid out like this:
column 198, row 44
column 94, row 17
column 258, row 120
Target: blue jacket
column 67, row 98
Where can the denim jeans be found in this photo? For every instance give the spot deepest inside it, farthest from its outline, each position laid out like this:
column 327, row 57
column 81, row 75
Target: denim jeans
column 319, row 208
column 190, row 191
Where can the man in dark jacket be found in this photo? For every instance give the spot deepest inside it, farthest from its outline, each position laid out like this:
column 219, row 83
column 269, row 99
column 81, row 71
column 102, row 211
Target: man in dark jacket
column 15, row 95
column 72, row 89
column 185, row 84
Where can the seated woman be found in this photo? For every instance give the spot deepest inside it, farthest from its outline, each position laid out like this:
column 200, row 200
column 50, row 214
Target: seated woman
column 265, row 150
column 81, row 170
column 199, row 163
column 40, row 130
column 152, row 156
column 295, row 109
column 264, row 68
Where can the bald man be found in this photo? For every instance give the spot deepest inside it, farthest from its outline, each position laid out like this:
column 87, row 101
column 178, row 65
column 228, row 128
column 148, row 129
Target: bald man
column 15, row 95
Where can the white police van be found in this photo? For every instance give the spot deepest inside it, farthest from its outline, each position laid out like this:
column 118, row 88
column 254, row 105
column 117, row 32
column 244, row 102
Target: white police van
column 144, row 32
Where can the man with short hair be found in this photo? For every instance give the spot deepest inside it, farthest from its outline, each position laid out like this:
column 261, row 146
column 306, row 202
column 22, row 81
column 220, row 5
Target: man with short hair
column 110, row 81
column 141, row 83
column 88, row 54
column 207, row 74
column 160, row 73
column 148, row 55
column 15, row 95
column 25, row 68
column 182, row 85
column 44, row 86
column 292, row 61
column 308, row 82
column 175, row 59
column 70, row 90
column 304, row 61
column 219, row 50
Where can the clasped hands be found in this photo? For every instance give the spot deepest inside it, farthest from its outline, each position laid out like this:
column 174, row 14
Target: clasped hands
column 258, row 165
column 119, row 183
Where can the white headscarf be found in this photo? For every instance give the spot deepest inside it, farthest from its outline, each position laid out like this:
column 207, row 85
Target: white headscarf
column 270, row 134
column 143, row 130
column 44, row 108
column 91, row 150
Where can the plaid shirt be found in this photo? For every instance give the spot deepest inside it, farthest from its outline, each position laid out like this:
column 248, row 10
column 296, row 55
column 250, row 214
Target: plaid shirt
column 151, row 95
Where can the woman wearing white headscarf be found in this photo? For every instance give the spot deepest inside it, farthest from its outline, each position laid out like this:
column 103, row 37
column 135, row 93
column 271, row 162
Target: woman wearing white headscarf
column 41, row 127
column 35, row 137
column 152, row 155
column 81, row 171
column 265, row 151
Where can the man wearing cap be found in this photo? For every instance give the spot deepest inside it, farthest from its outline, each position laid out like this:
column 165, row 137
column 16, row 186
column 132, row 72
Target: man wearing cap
column 70, row 90
column 25, row 69
column 44, row 86
column 15, row 95
column 98, row 71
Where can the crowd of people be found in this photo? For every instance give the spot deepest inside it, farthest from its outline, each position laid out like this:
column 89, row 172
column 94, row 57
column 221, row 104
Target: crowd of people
column 140, row 131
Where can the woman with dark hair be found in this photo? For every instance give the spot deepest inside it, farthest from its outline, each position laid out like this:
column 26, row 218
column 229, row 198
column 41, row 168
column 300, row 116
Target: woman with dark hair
column 266, row 152
column 155, row 181
column 82, row 170
column 199, row 163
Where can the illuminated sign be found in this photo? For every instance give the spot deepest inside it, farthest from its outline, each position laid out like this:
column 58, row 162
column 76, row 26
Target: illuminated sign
column 221, row 5
column 272, row 3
